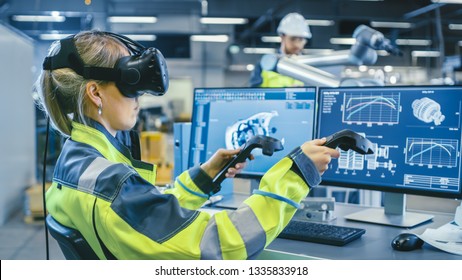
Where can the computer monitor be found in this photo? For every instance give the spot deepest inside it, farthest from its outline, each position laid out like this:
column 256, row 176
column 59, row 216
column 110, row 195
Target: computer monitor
column 416, row 131
column 228, row 117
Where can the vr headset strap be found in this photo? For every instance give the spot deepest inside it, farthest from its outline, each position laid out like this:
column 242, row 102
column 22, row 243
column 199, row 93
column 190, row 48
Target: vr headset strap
column 101, row 73
column 68, row 57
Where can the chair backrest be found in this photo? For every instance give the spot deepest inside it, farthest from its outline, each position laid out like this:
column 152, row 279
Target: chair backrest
column 71, row 241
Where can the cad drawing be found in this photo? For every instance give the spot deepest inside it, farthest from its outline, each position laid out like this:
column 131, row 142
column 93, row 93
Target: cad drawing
column 427, row 110
column 241, row 131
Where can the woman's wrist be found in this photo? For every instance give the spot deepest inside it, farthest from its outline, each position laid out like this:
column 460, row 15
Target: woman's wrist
column 208, row 170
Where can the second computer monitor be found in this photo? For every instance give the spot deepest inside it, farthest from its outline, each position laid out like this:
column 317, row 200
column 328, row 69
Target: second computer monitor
column 417, row 135
column 228, row 117
column 416, row 131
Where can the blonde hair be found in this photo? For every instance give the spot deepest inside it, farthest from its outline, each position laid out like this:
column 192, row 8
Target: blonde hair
column 61, row 92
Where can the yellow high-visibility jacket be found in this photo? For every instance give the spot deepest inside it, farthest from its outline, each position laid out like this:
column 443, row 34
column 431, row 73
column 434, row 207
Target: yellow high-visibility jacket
column 265, row 78
column 102, row 191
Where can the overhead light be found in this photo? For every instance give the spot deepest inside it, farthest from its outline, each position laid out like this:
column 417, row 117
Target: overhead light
column 448, row 1
column 388, row 68
column 53, row 36
column 425, row 53
column 37, row 18
column 369, row 0
column 460, row 43
column 234, row 49
column 259, row 50
column 454, row 26
column 210, row 38
column 271, row 39
column 136, row 37
column 222, row 20
column 250, row 67
column 382, row 53
column 141, row 37
column 413, row 42
column 122, row 19
column 342, row 41
column 320, row 22
column 391, row 24
column 393, row 79
column 241, row 67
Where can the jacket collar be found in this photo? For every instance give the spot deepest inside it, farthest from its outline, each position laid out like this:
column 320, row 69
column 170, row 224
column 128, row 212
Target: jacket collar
column 97, row 136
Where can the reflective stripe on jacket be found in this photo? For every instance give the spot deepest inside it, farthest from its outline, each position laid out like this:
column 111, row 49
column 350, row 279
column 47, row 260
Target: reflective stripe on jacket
column 98, row 188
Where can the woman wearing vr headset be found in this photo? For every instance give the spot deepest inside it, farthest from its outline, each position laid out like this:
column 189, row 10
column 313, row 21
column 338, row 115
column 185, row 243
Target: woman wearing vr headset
column 89, row 88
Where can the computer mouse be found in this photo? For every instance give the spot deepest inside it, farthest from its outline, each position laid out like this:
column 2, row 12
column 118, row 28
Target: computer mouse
column 406, row 242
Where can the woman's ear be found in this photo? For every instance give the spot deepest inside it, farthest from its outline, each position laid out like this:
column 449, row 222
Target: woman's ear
column 92, row 91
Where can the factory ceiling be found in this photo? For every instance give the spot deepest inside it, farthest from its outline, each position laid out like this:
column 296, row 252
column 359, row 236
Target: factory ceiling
column 413, row 25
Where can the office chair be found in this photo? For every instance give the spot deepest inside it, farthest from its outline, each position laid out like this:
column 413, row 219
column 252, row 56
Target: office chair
column 71, row 241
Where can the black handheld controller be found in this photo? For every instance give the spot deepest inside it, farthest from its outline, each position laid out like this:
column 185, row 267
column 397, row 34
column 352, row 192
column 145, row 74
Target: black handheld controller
column 268, row 144
column 347, row 139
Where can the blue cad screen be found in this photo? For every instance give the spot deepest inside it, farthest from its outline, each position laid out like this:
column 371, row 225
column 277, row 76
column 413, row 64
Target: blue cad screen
column 228, row 117
column 416, row 132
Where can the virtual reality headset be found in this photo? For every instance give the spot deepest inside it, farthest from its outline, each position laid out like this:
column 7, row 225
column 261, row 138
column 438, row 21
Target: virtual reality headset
column 144, row 71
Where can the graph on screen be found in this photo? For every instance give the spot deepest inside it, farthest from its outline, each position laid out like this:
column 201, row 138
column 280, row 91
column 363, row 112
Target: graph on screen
column 371, row 108
column 432, row 152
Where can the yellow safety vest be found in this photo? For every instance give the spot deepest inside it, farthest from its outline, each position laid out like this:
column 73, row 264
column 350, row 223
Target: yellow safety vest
column 273, row 79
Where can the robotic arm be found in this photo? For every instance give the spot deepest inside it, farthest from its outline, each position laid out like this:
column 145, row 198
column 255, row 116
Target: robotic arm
column 303, row 68
column 374, row 39
column 291, row 67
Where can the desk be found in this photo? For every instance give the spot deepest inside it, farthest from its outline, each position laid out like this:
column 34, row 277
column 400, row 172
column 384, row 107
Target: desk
column 373, row 245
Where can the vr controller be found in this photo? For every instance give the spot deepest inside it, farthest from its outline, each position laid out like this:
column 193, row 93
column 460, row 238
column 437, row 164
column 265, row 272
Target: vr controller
column 268, row 144
column 347, row 139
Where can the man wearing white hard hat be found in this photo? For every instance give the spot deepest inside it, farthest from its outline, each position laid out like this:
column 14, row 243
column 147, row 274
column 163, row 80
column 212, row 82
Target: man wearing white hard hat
column 294, row 33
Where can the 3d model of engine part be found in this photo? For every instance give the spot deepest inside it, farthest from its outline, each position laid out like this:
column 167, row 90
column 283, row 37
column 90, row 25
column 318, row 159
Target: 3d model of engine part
column 242, row 130
column 427, row 110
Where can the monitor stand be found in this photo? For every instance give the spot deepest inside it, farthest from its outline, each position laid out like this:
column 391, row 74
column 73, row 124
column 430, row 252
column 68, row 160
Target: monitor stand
column 393, row 214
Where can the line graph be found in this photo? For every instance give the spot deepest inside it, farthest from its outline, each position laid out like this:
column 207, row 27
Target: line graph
column 371, row 108
column 429, row 151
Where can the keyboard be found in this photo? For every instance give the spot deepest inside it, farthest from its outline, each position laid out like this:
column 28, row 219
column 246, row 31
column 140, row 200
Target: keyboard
column 321, row 233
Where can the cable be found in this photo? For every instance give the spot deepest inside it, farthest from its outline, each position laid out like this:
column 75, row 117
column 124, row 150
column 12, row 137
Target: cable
column 43, row 189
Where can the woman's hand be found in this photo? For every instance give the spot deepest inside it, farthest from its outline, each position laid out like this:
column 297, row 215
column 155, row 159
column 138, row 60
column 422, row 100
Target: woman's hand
column 219, row 160
column 319, row 154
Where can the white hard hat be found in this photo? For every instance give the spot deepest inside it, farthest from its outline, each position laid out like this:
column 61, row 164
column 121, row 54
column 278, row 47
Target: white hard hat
column 294, row 24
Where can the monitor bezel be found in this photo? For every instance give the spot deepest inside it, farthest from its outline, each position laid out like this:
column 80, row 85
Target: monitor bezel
column 243, row 174
column 362, row 186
